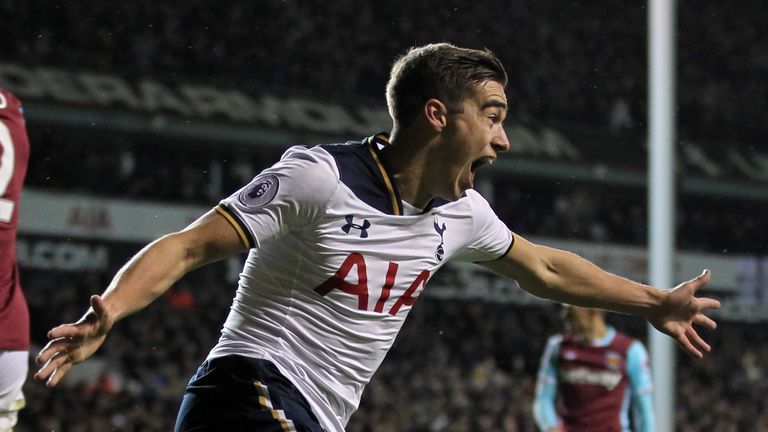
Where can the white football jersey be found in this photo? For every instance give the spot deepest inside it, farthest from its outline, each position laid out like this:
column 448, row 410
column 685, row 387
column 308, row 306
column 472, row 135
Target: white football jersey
column 335, row 267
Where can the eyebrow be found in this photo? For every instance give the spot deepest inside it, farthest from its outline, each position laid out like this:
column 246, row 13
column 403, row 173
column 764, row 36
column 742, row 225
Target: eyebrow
column 494, row 104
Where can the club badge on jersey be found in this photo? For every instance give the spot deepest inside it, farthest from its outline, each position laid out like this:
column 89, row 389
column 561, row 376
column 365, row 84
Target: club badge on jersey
column 440, row 229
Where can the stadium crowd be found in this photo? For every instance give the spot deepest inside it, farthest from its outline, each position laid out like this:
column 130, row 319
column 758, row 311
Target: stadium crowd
column 569, row 62
column 578, row 61
column 205, row 174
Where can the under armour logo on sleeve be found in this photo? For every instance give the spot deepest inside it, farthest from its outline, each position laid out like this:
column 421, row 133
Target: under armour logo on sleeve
column 351, row 224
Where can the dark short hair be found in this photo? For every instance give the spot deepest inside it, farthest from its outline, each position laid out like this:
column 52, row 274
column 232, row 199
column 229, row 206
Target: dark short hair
column 441, row 71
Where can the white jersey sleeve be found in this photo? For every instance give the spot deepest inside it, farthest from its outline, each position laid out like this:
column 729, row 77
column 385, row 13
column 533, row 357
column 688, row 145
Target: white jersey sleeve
column 491, row 239
column 287, row 196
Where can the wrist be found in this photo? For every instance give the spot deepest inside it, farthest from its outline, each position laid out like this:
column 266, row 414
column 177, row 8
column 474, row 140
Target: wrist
column 655, row 303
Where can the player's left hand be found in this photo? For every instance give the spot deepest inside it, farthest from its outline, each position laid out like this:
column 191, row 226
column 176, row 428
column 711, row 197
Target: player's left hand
column 680, row 309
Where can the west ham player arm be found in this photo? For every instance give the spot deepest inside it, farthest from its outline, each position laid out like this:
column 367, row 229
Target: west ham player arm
column 641, row 388
column 546, row 388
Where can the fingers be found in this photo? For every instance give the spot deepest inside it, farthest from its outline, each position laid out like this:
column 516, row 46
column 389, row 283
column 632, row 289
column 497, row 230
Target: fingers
column 57, row 374
column 75, row 331
column 51, row 348
column 72, row 343
column 691, row 342
column 57, row 362
column 693, row 335
column 705, row 321
column 686, row 344
column 708, row 303
column 701, row 280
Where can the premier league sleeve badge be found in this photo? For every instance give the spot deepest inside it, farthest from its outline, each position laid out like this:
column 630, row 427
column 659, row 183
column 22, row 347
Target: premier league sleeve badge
column 260, row 192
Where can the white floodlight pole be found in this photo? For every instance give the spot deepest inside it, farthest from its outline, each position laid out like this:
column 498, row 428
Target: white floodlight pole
column 661, row 194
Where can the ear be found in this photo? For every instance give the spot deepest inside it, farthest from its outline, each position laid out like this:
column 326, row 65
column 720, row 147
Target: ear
column 436, row 113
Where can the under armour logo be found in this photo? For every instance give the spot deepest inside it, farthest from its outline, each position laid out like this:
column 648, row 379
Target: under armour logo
column 351, row 224
column 439, row 252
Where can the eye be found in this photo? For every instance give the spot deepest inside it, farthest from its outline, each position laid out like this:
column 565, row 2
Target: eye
column 496, row 118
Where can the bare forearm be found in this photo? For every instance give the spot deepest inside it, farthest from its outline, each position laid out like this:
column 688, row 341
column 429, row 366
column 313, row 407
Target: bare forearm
column 568, row 278
column 147, row 276
column 159, row 265
column 144, row 278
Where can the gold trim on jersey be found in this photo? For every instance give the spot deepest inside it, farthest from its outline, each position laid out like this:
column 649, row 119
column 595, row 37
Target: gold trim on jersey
column 387, row 181
column 232, row 221
column 382, row 137
column 511, row 245
column 266, row 402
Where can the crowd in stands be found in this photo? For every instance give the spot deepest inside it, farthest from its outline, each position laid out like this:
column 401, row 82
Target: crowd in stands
column 615, row 214
column 150, row 168
column 575, row 62
column 203, row 174
column 578, row 61
column 458, row 365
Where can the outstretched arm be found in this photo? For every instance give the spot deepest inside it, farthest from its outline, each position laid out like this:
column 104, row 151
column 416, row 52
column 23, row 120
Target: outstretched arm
column 567, row 278
column 144, row 278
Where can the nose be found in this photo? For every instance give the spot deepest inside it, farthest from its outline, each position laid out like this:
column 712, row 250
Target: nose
column 500, row 142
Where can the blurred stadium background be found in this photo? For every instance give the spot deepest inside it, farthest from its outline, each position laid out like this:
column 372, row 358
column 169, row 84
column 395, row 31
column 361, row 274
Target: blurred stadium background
column 143, row 114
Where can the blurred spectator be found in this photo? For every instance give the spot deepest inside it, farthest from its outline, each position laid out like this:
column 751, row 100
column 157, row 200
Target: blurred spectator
column 577, row 62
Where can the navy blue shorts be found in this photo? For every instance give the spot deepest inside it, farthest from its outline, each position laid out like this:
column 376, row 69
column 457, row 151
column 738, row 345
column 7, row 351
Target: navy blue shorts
column 236, row 393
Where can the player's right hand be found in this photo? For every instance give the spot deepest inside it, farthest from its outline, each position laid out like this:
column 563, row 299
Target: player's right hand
column 73, row 343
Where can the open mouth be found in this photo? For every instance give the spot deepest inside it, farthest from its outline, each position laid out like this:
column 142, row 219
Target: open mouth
column 487, row 160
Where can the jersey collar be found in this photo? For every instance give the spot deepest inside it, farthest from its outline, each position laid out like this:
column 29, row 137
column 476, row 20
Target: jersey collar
column 375, row 144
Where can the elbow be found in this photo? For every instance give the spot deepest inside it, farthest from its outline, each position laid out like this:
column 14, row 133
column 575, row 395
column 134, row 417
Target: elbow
column 543, row 277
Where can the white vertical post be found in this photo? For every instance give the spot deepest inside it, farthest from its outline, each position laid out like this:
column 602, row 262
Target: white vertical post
column 661, row 194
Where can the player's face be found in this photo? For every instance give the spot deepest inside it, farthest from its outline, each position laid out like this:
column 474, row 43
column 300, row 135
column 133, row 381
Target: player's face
column 475, row 135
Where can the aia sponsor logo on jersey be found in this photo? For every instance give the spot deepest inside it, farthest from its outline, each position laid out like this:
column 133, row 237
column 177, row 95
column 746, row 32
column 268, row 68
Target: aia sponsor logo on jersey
column 360, row 287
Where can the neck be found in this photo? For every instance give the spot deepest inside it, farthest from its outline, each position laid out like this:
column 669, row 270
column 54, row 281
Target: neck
column 406, row 158
column 598, row 330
